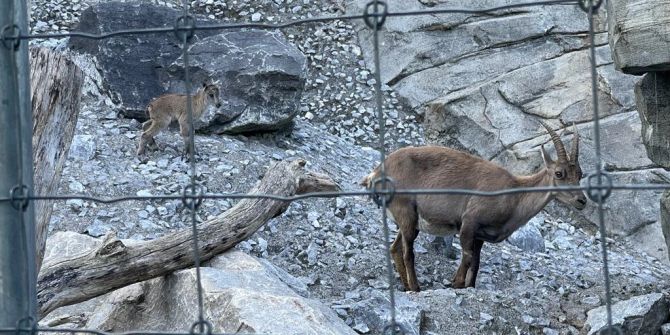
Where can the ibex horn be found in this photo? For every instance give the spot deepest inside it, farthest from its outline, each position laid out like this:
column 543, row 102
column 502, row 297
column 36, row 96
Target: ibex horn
column 574, row 154
column 560, row 149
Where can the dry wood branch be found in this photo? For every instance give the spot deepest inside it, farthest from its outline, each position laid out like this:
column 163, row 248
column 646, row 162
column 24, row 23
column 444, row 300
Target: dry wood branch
column 115, row 265
column 55, row 87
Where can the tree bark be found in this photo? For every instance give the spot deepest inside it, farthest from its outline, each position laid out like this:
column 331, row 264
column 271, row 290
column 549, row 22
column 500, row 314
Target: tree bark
column 55, row 84
column 114, row 265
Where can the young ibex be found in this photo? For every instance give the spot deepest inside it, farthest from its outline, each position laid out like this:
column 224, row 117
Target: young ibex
column 477, row 219
column 169, row 107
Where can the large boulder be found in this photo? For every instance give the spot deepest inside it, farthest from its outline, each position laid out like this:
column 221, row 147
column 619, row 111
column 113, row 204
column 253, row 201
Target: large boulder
column 641, row 315
column 262, row 78
column 262, row 75
column 240, row 292
column 652, row 95
column 132, row 66
column 638, row 35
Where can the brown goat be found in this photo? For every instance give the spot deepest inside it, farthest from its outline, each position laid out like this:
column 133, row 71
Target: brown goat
column 477, row 219
column 169, row 107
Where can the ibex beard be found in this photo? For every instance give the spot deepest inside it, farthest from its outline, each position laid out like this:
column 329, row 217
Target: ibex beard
column 477, row 219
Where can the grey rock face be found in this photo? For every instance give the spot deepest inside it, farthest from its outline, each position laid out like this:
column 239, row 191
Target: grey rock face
column 496, row 120
column 262, row 77
column 652, row 95
column 131, row 64
column 428, row 57
column 637, row 32
column 641, row 315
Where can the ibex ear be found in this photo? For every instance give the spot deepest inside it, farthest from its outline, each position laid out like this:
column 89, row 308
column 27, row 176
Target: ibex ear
column 545, row 156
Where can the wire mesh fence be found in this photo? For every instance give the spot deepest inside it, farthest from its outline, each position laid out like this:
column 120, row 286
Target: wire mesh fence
column 598, row 186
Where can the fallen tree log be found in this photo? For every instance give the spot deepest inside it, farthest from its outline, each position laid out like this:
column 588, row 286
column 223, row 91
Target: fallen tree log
column 55, row 85
column 114, row 265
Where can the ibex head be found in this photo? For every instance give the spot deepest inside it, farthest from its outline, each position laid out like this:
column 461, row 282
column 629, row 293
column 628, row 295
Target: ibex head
column 212, row 92
column 565, row 171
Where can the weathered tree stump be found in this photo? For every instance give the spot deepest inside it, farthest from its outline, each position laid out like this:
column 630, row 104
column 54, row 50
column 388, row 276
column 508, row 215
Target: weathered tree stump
column 55, row 84
column 114, row 265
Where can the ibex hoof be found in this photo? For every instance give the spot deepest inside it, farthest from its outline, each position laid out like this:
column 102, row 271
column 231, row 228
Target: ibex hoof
column 457, row 285
column 410, row 289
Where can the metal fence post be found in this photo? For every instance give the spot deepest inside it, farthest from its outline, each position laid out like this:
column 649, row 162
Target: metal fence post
column 17, row 237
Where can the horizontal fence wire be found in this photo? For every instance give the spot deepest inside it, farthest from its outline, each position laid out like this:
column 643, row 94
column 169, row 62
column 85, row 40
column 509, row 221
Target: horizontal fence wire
column 334, row 194
column 595, row 188
column 269, row 26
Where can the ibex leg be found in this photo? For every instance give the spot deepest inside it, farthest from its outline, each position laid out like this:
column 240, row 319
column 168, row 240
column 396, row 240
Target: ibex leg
column 146, row 124
column 185, row 131
column 471, row 277
column 396, row 254
column 406, row 218
column 148, row 134
column 408, row 237
column 467, row 235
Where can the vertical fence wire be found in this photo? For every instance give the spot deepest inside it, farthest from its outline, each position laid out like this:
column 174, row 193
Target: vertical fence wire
column 376, row 25
column 600, row 197
column 193, row 204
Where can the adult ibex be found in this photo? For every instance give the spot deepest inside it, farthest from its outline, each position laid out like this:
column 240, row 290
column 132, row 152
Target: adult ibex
column 169, row 107
column 477, row 219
